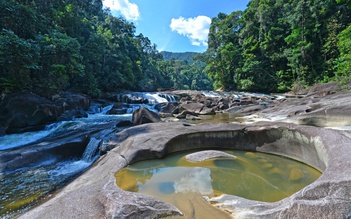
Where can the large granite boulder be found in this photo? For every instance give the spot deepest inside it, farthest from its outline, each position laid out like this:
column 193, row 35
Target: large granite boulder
column 95, row 194
column 25, row 111
column 71, row 101
column 143, row 115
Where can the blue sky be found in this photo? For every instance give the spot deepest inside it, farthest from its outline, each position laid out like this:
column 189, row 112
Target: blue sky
column 174, row 25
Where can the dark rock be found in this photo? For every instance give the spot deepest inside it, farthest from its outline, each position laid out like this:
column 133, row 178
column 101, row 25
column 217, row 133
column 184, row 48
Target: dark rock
column 143, row 115
column 26, row 111
column 118, row 109
column 246, row 101
column 72, row 114
column 71, row 101
column 2, row 131
column 50, row 151
column 169, row 108
column 21, row 110
column 115, row 111
column 124, row 123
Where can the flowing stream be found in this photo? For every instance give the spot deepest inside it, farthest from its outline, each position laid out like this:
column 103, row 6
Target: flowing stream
column 28, row 185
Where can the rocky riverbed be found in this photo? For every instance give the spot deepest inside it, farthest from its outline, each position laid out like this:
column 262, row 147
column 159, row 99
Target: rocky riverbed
column 302, row 127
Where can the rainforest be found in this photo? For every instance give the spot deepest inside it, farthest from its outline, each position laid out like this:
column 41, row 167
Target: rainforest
column 271, row 46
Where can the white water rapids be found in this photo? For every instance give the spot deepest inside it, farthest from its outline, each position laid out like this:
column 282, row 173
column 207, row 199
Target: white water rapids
column 23, row 187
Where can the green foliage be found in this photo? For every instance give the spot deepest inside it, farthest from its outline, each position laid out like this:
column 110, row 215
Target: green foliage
column 347, row 2
column 185, row 56
column 47, row 46
column 343, row 73
column 274, row 45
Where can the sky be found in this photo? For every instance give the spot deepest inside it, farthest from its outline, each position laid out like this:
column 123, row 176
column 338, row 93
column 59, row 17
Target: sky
column 174, row 25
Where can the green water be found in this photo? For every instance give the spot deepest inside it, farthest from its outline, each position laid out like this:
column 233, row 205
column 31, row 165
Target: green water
column 253, row 175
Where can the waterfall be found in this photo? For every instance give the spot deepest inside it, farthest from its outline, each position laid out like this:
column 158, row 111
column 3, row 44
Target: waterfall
column 169, row 97
column 91, row 149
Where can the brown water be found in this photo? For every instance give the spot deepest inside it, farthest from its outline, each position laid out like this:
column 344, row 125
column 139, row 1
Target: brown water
column 252, row 175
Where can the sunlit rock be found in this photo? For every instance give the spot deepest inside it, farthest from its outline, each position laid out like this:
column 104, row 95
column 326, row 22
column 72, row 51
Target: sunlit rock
column 96, row 195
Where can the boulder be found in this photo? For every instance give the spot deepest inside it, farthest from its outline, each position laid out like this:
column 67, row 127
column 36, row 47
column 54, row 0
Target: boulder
column 168, row 108
column 324, row 89
column 143, row 115
column 72, row 114
column 26, row 110
column 124, row 123
column 72, row 101
column 118, row 109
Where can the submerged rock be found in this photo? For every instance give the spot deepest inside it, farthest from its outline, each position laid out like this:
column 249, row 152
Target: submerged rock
column 208, row 154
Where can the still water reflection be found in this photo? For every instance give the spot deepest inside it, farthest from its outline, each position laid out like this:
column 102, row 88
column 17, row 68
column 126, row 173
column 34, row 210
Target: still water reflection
column 251, row 175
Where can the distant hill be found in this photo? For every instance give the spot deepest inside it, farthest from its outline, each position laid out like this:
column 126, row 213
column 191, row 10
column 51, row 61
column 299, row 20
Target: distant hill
column 186, row 56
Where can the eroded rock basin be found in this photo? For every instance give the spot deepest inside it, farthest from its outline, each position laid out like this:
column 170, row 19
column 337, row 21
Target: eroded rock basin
column 183, row 178
column 96, row 195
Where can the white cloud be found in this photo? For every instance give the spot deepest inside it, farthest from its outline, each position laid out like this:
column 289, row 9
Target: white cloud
column 129, row 10
column 196, row 29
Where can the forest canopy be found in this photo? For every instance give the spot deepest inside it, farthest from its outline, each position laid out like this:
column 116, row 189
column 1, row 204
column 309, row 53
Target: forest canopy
column 274, row 45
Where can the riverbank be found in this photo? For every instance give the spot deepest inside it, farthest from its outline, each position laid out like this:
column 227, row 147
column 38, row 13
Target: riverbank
column 319, row 108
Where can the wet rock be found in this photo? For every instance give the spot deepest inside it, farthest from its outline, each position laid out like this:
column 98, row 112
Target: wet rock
column 191, row 117
column 124, row 123
column 118, row 109
column 23, row 110
column 72, row 101
column 49, row 151
column 170, row 119
column 72, row 114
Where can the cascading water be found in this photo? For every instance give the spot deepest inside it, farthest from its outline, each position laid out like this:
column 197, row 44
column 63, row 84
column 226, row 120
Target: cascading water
column 89, row 154
column 25, row 186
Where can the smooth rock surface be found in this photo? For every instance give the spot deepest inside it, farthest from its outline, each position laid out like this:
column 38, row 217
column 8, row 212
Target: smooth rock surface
column 208, row 154
column 25, row 111
column 143, row 115
column 96, row 195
